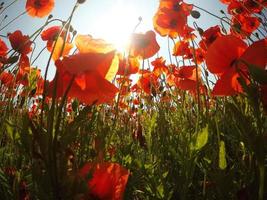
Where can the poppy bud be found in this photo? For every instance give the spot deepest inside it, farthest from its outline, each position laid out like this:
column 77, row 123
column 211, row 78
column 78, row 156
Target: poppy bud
column 12, row 60
column 195, row 14
column 200, row 30
column 71, row 28
column 81, row 1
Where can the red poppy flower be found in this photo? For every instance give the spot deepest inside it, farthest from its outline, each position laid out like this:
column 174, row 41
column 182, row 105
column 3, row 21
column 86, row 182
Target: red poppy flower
column 24, row 70
column 228, row 84
column 181, row 48
column 51, row 36
column 3, row 52
column 58, row 52
column 185, row 78
column 220, row 57
column 20, row 43
column 244, row 25
column 144, row 45
column 236, row 7
column 108, row 180
column 39, row 8
column 148, row 82
column 199, row 55
column 209, row 36
column 127, row 66
column 88, row 71
column 88, row 88
column 124, row 84
column 3, row 48
column 124, row 80
column 171, row 18
column 253, row 6
column 83, row 62
column 177, row 6
column 51, row 33
column 159, row 66
column 227, row 62
column 39, row 86
column 7, row 78
column 226, row 1
column 187, row 72
column 87, row 44
column 169, row 23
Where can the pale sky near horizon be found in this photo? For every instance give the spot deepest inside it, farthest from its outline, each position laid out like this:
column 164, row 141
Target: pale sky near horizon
column 104, row 18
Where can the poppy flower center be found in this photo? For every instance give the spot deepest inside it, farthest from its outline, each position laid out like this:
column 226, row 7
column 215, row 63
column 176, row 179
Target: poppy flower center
column 177, row 7
column 238, row 10
column 233, row 63
column 37, row 4
column 173, row 23
column 143, row 43
column 252, row 4
column 211, row 39
column 237, row 27
column 252, row 23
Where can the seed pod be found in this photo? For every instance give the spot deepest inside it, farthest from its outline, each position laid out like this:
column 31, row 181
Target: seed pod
column 195, row 14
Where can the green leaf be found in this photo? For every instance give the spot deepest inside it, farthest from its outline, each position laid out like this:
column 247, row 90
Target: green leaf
column 202, row 138
column 258, row 74
column 222, row 158
column 165, row 174
column 11, row 131
column 160, row 190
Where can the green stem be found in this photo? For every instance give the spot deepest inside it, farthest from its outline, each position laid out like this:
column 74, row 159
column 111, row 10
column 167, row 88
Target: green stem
column 13, row 20
column 261, row 181
column 8, row 6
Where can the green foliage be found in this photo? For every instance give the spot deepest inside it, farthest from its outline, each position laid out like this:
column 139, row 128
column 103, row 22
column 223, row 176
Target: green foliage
column 222, row 156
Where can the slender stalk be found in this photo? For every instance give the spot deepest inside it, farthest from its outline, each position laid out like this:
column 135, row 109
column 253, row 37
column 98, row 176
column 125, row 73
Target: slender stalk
column 8, row 6
column 197, row 77
column 261, row 181
column 39, row 54
column 13, row 20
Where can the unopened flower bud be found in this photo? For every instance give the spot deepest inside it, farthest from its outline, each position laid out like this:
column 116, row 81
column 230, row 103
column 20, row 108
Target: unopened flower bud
column 81, row 1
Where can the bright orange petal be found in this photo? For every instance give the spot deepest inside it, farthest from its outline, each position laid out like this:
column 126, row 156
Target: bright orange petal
column 58, row 48
column 86, row 44
column 84, row 62
column 39, row 8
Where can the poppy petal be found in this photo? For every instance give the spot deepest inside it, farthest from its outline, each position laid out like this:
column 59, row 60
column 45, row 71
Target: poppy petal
column 223, row 52
column 86, row 44
column 256, row 54
column 227, row 85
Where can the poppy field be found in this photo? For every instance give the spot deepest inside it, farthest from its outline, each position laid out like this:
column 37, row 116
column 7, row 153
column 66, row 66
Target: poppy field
column 190, row 123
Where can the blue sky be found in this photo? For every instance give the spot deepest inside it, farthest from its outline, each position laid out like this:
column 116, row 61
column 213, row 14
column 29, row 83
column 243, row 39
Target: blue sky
column 96, row 17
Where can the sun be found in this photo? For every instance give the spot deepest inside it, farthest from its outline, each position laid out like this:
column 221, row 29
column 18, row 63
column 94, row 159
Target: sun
column 117, row 25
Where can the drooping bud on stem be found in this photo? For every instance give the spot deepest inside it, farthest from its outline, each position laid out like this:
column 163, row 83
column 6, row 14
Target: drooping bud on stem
column 81, row 1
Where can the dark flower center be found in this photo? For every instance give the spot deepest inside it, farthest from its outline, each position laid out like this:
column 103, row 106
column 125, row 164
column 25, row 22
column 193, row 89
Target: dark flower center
column 37, row 4
column 173, row 23
column 177, row 7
